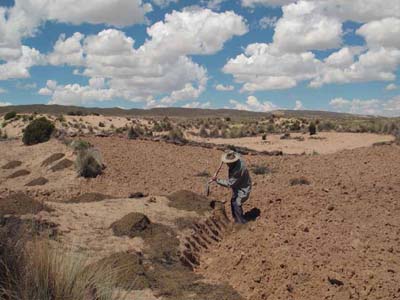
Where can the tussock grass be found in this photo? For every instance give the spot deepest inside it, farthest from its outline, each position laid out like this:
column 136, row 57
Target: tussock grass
column 89, row 163
column 43, row 272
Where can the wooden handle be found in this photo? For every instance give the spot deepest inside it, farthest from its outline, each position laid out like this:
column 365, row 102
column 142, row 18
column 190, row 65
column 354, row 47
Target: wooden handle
column 219, row 169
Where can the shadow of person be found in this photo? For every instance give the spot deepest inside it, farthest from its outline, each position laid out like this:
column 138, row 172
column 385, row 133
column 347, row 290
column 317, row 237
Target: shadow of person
column 252, row 214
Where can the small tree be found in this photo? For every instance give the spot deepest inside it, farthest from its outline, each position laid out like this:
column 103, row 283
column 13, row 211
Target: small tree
column 38, row 131
column 312, row 128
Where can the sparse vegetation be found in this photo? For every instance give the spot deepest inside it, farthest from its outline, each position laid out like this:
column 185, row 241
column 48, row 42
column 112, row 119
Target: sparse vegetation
column 38, row 131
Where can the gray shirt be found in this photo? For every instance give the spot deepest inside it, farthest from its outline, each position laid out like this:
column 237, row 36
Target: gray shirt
column 239, row 179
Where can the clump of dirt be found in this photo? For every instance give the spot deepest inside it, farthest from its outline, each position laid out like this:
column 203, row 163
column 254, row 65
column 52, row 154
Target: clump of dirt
column 64, row 164
column 37, row 181
column 89, row 197
column 186, row 200
column 19, row 173
column 299, row 181
column 12, row 165
column 20, row 204
column 131, row 225
column 52, row 158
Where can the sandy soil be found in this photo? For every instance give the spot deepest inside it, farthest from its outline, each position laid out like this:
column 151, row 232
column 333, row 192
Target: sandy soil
column 337, row 238
column 86, row 226
column 323, row 143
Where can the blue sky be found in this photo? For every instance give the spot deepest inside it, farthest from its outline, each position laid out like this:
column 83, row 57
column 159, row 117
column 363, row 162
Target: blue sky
column 256, row 55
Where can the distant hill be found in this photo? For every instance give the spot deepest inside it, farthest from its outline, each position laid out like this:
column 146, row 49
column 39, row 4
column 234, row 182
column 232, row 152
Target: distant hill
column 173, row 112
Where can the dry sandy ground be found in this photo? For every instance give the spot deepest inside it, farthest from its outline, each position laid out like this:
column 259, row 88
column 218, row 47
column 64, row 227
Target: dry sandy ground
column 323, row 143
column 336, row 238
column 86, row 226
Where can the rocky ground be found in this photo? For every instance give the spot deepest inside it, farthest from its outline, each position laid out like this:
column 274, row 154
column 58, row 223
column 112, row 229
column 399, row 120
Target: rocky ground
column 328, row 225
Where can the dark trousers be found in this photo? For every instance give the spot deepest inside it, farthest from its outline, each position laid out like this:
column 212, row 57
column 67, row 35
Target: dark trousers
column 236, row 206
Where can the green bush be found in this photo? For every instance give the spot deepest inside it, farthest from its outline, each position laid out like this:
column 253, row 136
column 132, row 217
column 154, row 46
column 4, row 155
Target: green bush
column 10, row 115
column 312, row 128
column 38, row 131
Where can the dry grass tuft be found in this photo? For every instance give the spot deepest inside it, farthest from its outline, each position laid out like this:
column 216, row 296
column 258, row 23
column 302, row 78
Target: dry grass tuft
column 42, row 272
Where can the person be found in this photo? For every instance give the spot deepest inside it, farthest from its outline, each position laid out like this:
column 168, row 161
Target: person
column 239, row 181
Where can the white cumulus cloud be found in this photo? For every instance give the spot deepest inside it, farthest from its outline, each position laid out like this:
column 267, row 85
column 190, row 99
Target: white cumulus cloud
column 5, row 103
column 298, row 105
column 391, row 87
column 224, row 88
column 385, row 32
column 253, row 104
column 161, row 66
column 303, row 27
column 388, row 108
column 263, row 67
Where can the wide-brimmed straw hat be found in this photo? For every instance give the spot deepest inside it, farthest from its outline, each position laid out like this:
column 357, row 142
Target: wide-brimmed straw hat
column 230, row 157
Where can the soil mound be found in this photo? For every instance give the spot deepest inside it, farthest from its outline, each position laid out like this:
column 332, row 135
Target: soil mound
column 128, row 268
column 160, row 267
column 52, row 158
column 64, row 164
column 89, row 197
column 12, row 165
column 132, row 224
column 37, row 181
column 19, row 173
column 186, row 200
column 20, row 204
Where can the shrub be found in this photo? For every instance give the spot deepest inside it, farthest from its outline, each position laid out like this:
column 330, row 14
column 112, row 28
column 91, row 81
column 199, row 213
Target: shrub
column 134, row 133
column 60, row 118
column 89, row 163
column 264, row 137
column 214, row 133
column 101, row 124
column 79, row 145
column 10, row 115
column 176, row 135
column 203, row 132
column 299, row 181
column 312, row 128
column 38, row 131
column 260, row 170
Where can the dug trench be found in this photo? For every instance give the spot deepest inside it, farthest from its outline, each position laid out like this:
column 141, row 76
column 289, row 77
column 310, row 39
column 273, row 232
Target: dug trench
column 152, row 243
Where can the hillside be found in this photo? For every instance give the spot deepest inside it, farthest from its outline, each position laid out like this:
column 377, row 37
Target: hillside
column 172, row 112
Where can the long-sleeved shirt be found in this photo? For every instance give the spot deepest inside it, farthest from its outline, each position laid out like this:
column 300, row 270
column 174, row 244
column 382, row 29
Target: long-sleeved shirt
column 239, row 179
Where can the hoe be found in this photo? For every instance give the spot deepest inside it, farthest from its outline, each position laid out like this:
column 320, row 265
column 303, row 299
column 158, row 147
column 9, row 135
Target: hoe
column 210, row 181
